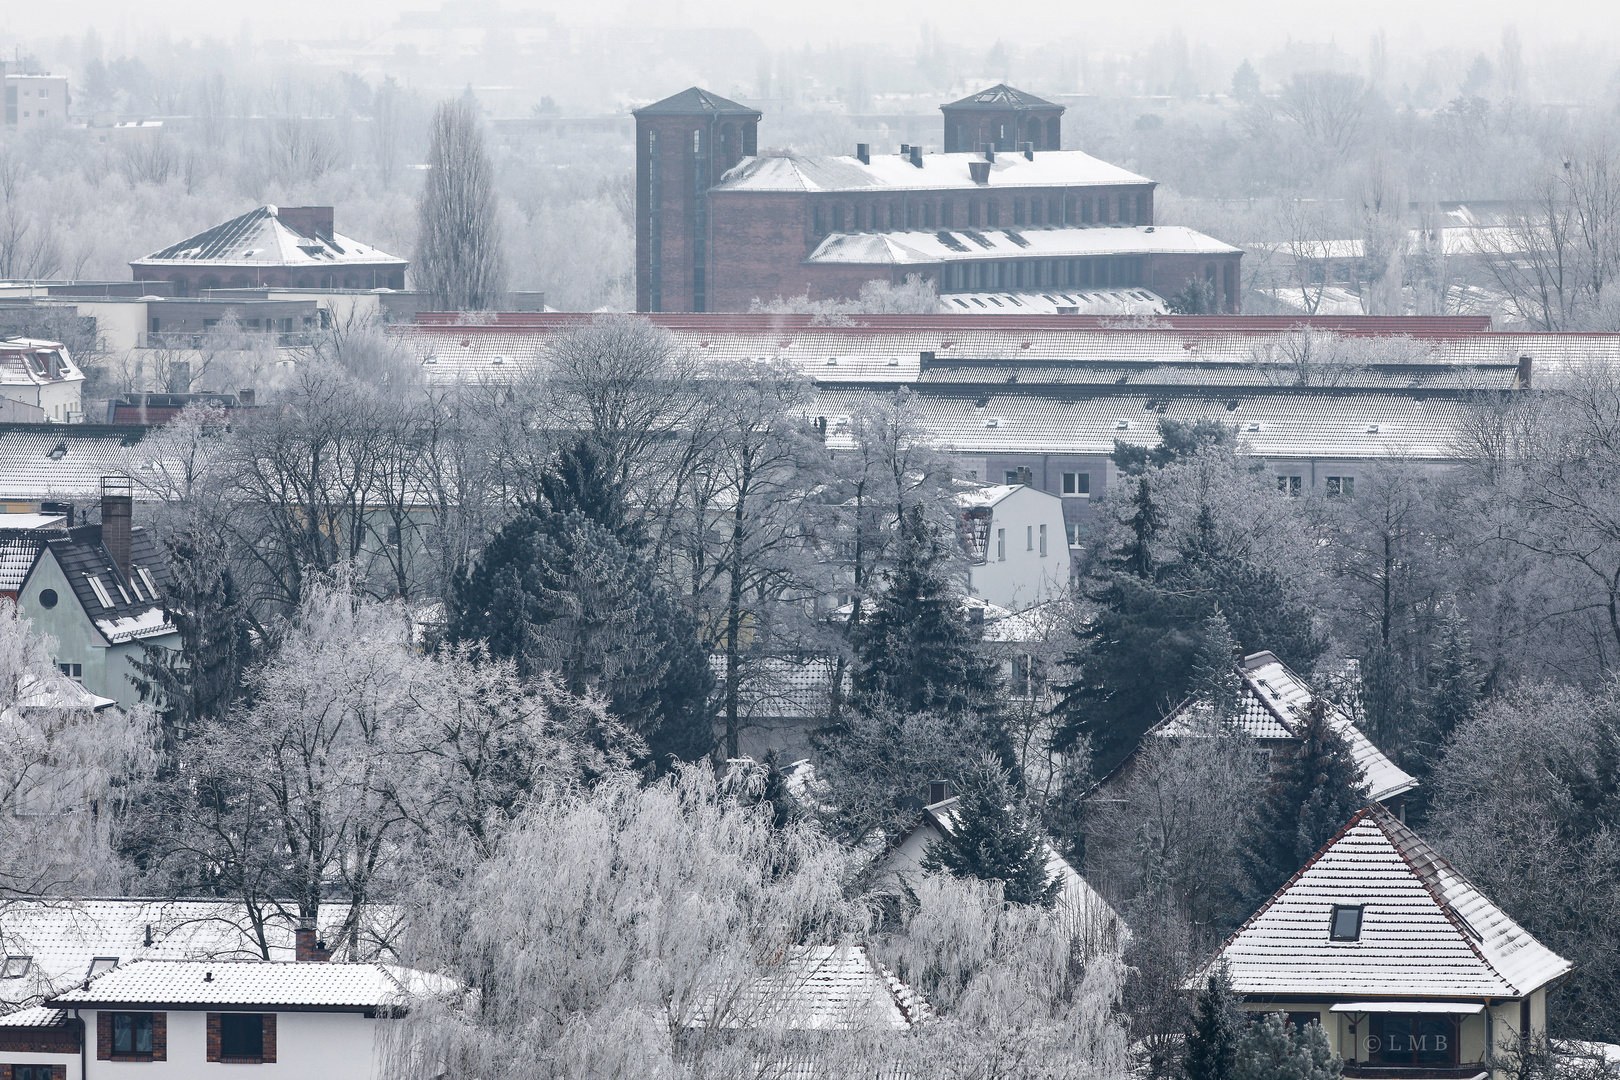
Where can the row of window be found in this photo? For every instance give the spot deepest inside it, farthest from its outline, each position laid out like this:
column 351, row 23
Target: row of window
column 1128, row 209
column 1109, row 273
column 1029, row 541
column 1334, row 486
column 244, row 1038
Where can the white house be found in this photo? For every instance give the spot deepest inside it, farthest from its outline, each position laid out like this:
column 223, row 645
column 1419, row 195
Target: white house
column 195, row 1019
column 1013, row 536
column 96, row 589
column 1410, row 970
column 40, row 373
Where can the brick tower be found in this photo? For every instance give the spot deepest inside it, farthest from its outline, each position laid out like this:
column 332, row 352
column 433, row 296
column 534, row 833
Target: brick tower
column 1002, row 119
column 684, row 144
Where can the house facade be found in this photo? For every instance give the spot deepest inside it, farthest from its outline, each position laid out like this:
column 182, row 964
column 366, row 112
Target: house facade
column 96, row 589
column 1013, row 537
column 1411, row 971
column 42, row 375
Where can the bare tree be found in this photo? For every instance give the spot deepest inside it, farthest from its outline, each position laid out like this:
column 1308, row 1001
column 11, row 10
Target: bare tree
column 458, row 251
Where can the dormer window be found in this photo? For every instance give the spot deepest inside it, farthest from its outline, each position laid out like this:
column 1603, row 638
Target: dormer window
column 1346, row 923
column 102, row 964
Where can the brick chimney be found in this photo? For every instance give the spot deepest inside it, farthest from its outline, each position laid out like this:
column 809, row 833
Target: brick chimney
column 315, row 221
column 307, row 950
column 116, row 510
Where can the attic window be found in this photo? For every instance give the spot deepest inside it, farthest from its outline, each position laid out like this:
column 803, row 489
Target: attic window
column 1468, row 927
column 15, row 967
column 1346, row 924
column 100, row 590
column 102, row 964
column 151, row 588
column 58, row 452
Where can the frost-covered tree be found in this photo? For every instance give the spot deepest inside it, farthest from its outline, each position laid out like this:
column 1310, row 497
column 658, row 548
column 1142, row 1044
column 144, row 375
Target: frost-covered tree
column 459, row 256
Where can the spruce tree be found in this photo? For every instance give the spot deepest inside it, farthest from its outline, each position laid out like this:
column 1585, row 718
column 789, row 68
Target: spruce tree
column 1217, row 1025
column 1214, row 670
column 1453, row 693
column 1317, row 789
column 1272, row 1048
column 917, row 652
column 994, row 841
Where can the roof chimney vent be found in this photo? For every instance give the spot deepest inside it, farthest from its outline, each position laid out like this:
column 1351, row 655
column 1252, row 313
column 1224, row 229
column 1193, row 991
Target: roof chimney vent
column 989, row 153
column 905, row 149
column 979, row 171
column 117, row 506
column 1523, row 379
column 916, row 156
column 1029, row 151
column 863, row 151
column 938, row 791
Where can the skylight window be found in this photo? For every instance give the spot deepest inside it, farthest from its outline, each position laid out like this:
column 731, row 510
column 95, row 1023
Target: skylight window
column 15, row 967
column 99, row 589
column 102, row 964
column 146, row 577
column 1346, row 923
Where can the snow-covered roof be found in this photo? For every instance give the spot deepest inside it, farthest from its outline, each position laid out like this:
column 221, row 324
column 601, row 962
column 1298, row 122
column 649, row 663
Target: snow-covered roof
column 938, row 172
column 1120, row 301
column 980, row 494
column 37, row 1016
column 1001, row 97
column 61, row 937
column 261, row 238
column 245, row 982
column 122, row 608
column 970, row 245
column 1272, row 704
column 1425, row 932
column 825, row 987
column 31, row 362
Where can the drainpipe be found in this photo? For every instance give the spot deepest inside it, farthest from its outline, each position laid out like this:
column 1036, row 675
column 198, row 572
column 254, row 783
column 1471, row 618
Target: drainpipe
column 83, row 1069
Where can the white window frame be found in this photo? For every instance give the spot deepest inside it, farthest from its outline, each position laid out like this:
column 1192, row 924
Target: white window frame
column 1001, row 545
column 1072, row 479
column 102, row 595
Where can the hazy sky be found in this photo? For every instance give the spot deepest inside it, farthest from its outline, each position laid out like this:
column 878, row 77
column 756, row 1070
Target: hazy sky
column 1248, row 25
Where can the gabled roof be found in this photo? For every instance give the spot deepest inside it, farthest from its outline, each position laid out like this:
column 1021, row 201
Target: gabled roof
column 121, row 609
column 1001, row 96
column 61, row 936
column 1426, row 932
column 695, row 101
column 821, row 988
column 66, row 460
column 261, row 238
column 322, row 985
column 1271, row 705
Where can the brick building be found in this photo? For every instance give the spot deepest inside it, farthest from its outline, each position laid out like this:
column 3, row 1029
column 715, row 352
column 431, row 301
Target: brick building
column 718, row 226
column 282, row 247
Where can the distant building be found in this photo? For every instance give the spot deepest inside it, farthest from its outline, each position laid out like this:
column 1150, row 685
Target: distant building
column 1410, row 969
column 1003, row 210
column 285, row 247
column 1013, row 537
column 36, row 101
column 42, row 375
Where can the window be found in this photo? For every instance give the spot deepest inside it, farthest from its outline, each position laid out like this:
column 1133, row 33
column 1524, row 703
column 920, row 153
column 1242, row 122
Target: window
column 1043, row 541
column 151, row 586
column 72, row 671
column 102, row 964
column 31, row 1072
column 1001, row 545
column 1077, row 484
column 47, row 598
column 132, row 1033
column 100, row 590
column 15, row 967
column 1029, row 538
column 1012, row 477
column 1412, row 1039
column 1289, row 485
column 1303, row 1020
column 1346, row 923
column 241, row 1036
column 1341, row 485
column 1073, row 529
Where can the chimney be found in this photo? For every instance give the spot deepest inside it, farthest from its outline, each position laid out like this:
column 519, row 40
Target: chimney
column 306, row 950
column 116, row 509
column 1026, row 476
column 312, row 221
column 938, row 791
column 905, row 149
column 916, row 156
column 979, row 171
column 863, row 151
column 1522, row 381
column 245, row 396
column 1029, row 151
column 989, row 153
column 63, row 508
column 924, row 359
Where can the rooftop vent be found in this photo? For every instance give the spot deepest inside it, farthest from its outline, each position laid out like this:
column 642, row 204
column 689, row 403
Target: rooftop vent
column 863, row 151
column 905, row 149
column 916, row 156
column 894, row 361
column 1254, row 426
column 832, row 361
column 979, row 171
column 993, row 422
column 990, row 153
column 1029, row 151
column 1372, row 429
column 1122, row 425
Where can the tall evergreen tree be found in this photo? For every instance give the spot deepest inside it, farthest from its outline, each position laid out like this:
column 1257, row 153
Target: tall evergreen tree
column 458, row 248
column 917, row 651
column 1214, row 670
column 1217, row 1025
column 559, row 588
column 1453, row 695
column 1317, row 789
column 994, row 841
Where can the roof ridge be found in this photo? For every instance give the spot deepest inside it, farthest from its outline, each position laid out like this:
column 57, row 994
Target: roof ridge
column 1253, row 686
column 1385, row 821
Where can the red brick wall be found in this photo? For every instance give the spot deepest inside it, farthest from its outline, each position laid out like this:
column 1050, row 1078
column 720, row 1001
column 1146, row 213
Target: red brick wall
column 160, row 1037
column 1168, row 274
column 213, row 1040
column 59, row 1040
column 199, row 278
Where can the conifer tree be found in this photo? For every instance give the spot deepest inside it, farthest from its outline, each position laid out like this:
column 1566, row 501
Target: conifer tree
column 1453, row 692
column 1217, row 1026
column 1274, row 1049
column 1317, row 789
column 994, row 841
column 917, row 652
column 1214, row 674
